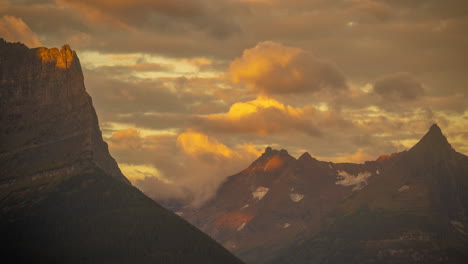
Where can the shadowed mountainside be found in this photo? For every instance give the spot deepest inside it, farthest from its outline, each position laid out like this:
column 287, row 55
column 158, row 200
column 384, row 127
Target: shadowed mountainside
column 63, row 198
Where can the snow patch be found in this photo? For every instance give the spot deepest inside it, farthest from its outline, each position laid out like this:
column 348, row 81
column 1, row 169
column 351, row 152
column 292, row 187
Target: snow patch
column 245, row 206
column 459, row 226
column 330, row 166
column 179, row 213
column 260, row 192
column 359, row 181
column 286, row 225
column 404, row 188
column 241, row 226
column 296, row 197
column 377, row 172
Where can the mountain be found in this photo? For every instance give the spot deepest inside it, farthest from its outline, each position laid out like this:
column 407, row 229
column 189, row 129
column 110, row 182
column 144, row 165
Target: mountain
column 63, row 198
column 408, row 207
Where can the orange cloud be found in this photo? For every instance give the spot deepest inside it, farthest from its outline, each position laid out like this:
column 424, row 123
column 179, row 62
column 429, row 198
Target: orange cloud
column 125, row 134
column 196, row 143
column 189, row 166
column 242, row 109
column 262, row 116
column 14, row 29
column 270, row 67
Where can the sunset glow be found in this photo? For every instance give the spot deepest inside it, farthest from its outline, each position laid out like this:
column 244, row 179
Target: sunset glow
column 188, row 92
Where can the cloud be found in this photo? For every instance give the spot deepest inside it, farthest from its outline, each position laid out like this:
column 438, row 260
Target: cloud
column 14, row 29
column 262, row 116
column 196, row 143
column 115, row 97
column 180, row 16
column 272, row 68
column 158, row 97
column 399, row 86
column 188, row 167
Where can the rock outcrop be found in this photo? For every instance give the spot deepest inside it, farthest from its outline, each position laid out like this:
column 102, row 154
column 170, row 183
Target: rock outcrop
column 47, row 122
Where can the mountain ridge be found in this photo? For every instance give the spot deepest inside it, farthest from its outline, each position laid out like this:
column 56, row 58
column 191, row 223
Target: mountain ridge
column 275, row 211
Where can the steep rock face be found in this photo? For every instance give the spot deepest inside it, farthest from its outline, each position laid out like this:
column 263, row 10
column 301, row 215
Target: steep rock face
column 63, row 198
column 48, row 123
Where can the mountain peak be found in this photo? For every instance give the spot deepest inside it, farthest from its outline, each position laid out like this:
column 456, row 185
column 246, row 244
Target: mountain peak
column 306, row 157
column 270, row 152
column 435, row 129
column 433, row 141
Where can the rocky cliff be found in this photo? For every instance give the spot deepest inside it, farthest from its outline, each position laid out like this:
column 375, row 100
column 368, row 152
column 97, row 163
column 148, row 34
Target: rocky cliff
column 48, row 125
column 63, row 198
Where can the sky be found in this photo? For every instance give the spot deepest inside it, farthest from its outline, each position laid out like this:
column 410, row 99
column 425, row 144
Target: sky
column 190, row 92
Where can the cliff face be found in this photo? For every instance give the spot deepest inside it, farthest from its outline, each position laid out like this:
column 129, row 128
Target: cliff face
column 48, row 125
column 63, row 198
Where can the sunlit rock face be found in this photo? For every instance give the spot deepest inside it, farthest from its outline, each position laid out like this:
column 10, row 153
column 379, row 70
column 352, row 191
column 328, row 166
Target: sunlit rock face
column 48, row 124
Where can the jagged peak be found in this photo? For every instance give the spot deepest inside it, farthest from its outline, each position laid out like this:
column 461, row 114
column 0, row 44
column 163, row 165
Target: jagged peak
column 433, row 141
column 306, row 156
column 268, row 150
column 271, row 152
column 269, row 155
column 63, row 58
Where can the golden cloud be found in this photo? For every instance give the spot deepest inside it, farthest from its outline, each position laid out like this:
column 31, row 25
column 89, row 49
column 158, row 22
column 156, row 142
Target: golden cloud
column 189, row 166
column 196, row 143
column 14, row 29
column 262, row 116
column 270, row 67
column 125, row 139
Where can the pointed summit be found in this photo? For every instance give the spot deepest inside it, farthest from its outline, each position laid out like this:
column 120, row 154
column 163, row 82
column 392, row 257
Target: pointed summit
column 305, row 156
column 435, row 129
column 433, row 142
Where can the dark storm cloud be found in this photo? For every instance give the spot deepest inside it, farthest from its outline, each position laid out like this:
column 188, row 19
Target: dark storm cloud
column 175, row 16
column 399, row 86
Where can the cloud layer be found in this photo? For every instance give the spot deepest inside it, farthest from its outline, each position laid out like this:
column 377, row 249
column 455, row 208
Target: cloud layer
column 188, row 92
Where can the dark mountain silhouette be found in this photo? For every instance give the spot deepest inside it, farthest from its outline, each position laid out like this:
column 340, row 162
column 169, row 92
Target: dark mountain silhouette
column 63, row 198
column 408, row 207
